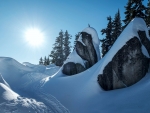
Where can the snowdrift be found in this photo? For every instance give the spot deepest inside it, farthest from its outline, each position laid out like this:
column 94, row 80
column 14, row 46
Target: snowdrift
column 22, row 92
column 36, row 88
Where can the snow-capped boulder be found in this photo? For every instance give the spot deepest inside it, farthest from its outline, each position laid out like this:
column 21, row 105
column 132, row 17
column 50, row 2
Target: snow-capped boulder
column 131, row 62
column 85, row 54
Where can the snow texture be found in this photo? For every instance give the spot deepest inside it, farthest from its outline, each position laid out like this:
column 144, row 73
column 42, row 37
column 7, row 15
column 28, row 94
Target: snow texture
column 40, row 89
column 74, row 57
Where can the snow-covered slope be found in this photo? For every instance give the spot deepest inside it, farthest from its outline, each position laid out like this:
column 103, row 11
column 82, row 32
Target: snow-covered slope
column 11, row 102
column 25, row 80
column 6, row 93
column 52, row 91
column 84, row 95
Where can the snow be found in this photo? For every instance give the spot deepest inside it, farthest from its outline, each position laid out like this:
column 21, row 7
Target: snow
column 144, row 51
column 95, row 39
column 79, row 94
column 6, row 93
column 3, row 81
column 80, row 40
column 129, row 32
column 44, row 89
column 74, row 57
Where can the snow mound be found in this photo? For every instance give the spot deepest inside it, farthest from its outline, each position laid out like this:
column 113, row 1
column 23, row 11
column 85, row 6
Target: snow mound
column 25, row 94
column 3, row 81
column 6, row 93
column 11, row 102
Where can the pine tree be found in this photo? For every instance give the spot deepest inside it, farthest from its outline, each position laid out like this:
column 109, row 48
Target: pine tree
column 41, row 61
column 128, row 14
column 107, row 41
column 134, row 8
column 67, row 47
column 45, row 61
column 48, row 61
column 148, row 14
column 57, row 52
column 117, row 27
column 76, row 38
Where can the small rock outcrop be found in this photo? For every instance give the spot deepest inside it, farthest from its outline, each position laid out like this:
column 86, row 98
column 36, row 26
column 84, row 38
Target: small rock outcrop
column 129, row 65
column 85, row 54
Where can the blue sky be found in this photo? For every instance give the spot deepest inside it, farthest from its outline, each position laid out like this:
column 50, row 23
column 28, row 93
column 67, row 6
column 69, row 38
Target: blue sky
column 49, row 16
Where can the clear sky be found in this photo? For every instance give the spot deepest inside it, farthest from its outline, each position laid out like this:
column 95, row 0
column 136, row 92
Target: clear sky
column 49, row 17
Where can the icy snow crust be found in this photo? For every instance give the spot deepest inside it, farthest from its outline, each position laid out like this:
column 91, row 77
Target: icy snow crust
column 33, row 90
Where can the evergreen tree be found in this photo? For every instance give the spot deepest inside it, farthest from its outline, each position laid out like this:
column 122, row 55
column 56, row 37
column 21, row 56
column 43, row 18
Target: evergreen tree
column 134, row 8
column 57, row 52
column 107, row 41
column 45, row 61
column 48, row 61
column 67, row 47
column 148, row 14
column 128, row 14
column 76, row 38
column 41, row 61
column 117, row 27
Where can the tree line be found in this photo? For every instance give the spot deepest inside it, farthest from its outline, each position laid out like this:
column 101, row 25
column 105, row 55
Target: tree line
column 133, row 8
column 61, row 49
column 62, row 46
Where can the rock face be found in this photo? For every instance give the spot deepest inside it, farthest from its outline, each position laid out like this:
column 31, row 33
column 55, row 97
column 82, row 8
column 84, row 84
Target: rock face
column 129, row 65
column 85, row 54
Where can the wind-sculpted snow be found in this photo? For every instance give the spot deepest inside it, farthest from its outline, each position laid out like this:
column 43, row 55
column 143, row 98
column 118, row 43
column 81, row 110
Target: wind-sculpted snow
column 24, row 93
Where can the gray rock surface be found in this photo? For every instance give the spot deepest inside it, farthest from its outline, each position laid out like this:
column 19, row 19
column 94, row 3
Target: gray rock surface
column 128, row 66
column 86, row 50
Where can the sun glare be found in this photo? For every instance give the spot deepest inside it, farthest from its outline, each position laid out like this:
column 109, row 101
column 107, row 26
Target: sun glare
column 34, row 37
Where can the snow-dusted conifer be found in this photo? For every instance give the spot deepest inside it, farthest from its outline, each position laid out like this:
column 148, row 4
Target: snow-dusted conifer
column 57, row 52
column 76, row 38
column 45, row 61
column 41, row 61
column 148, row 14
column 134, row 8
column 67, row 47
column 107, row 41
column 117, row 27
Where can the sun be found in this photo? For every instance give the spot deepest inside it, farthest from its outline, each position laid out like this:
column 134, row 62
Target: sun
column 34, row 37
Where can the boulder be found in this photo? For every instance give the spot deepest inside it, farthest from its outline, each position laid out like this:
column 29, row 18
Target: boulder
column 127, row 67
column 85, row 54
column 131, row 62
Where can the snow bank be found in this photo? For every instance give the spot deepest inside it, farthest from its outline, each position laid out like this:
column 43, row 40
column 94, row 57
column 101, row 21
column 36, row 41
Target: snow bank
column 6, row 93
column 3, row 81
column 25, row 81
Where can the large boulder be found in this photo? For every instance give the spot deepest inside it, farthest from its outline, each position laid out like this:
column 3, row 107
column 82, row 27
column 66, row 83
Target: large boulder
column 85, row 54
column 131, row 62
